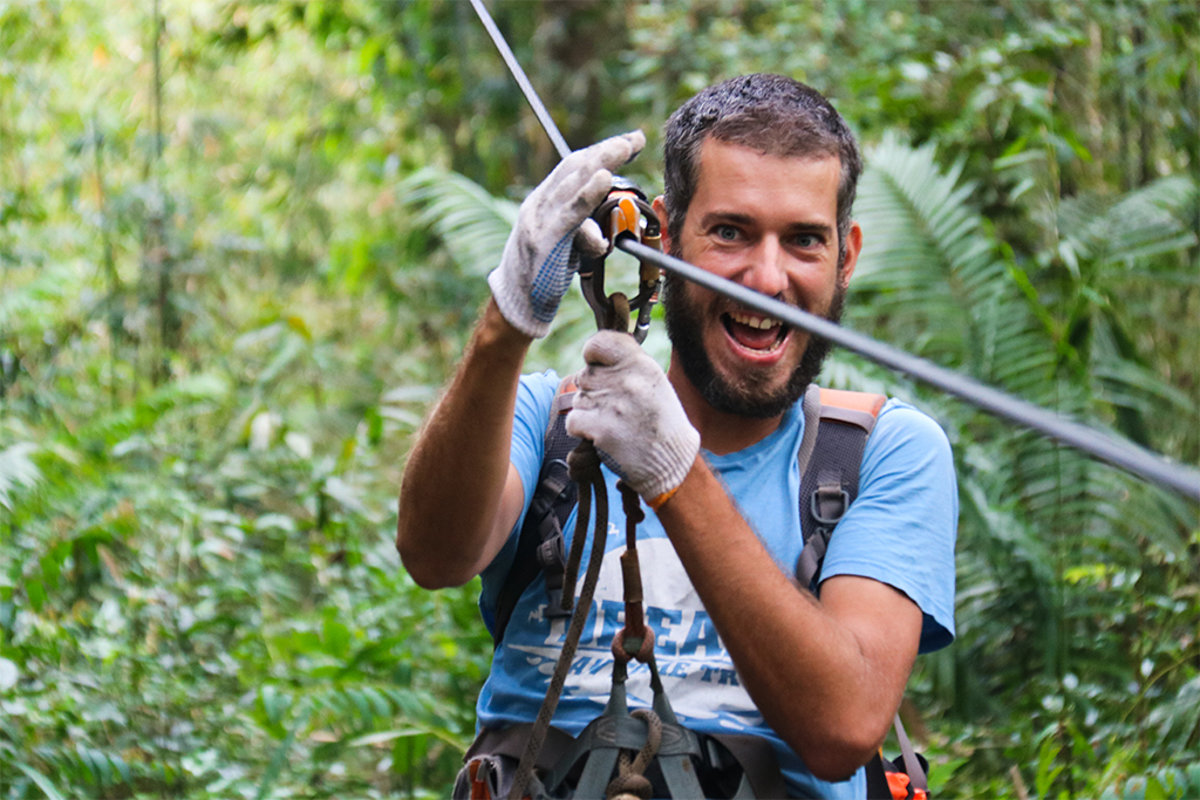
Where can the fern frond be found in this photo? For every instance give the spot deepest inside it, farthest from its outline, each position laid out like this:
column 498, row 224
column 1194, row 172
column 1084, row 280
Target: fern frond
column 472, row 224
column 931, row 272
column 1133, row 229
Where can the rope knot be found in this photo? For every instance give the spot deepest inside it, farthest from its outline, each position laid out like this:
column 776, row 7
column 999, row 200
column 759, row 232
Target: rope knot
column 631, row 782
column 631, row 503
column 583, row 463
column 644, row 651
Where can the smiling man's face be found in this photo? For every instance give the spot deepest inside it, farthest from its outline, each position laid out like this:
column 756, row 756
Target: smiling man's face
column 770, row 224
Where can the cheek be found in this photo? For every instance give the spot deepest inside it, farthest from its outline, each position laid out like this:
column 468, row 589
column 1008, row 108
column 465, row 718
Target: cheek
column 704, row 254
column 815, row 286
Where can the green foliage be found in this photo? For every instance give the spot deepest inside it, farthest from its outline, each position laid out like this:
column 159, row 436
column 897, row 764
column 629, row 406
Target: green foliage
column 1044, row 546
column 230, row 287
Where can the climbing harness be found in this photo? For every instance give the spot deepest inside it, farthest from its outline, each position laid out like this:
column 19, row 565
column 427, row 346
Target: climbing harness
column 836, row 426
column 623, row 214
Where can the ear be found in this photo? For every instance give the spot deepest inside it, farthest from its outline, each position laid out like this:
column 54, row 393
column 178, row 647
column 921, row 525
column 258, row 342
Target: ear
column 660, row 208
column 854, row 242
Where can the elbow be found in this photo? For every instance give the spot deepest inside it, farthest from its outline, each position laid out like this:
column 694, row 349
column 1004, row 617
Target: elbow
column 421, row 558
column 426, row 570
column 837, row 761
column 422, row 573
column 833, row 753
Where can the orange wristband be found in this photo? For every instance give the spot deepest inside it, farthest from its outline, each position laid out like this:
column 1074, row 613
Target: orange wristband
column 658, row 502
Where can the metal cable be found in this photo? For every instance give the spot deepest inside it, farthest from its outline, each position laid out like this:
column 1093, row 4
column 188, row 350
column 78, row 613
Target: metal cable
column 535, row 102
column 1144, row 463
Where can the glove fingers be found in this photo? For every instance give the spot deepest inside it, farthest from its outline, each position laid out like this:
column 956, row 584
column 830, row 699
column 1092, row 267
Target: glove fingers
column 607, row 348
column 580, row 203
column 613, row 152
column 589, row 240
column 607, row 154
column 590, row 422
column 576, row 181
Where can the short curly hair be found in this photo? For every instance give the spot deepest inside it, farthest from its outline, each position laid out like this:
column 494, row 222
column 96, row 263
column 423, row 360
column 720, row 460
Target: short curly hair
column 771, row 113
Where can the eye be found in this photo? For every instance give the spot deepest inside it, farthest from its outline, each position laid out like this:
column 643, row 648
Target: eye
column 806, row 240
column 726, row 233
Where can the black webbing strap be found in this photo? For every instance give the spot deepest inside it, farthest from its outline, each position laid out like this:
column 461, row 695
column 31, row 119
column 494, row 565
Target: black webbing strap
column 758, row 762
column 510, row 742
column 562, row 754
column 540, row 544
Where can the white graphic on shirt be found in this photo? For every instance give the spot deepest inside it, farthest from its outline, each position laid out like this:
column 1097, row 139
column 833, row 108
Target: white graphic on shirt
column 697, row 674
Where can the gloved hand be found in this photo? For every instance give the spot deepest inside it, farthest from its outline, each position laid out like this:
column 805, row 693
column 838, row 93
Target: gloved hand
column 538, row 262
column 629, row 410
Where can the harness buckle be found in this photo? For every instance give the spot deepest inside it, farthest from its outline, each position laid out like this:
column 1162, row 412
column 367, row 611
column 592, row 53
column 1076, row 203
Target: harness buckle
column 551, row 557
column 829, row 503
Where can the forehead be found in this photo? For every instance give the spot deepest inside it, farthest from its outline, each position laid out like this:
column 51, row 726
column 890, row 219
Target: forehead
column 739, row 177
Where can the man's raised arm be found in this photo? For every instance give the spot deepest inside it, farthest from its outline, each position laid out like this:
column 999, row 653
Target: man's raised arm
column 460, row 497
column 457, row 493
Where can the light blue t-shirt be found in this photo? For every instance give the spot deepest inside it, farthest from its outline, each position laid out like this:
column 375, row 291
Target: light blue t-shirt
column 900, row 530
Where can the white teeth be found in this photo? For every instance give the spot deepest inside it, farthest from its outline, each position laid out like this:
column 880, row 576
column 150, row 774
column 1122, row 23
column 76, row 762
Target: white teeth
column 762, row 323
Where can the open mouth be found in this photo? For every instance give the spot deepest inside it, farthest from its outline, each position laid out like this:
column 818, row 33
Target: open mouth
column 755, row 331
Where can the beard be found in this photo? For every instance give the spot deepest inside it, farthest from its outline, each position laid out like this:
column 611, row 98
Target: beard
column 748, row 394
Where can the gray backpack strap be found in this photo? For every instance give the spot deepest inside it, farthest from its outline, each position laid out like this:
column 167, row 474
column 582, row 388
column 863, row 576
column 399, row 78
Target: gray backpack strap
column 829, row 471
column 837, row 424
column 540, row 544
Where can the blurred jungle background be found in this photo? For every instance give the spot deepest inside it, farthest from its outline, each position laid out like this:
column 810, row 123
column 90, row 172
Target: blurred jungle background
column 242, row 244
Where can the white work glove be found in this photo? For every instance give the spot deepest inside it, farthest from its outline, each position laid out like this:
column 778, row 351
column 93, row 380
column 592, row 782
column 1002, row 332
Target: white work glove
column 539, row 260
column 629, row 410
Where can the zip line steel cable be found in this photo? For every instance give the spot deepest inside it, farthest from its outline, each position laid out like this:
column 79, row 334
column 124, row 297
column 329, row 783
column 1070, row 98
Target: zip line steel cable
column 1139, row 461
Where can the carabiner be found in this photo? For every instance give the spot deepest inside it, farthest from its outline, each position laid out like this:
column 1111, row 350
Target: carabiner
column 624, row 212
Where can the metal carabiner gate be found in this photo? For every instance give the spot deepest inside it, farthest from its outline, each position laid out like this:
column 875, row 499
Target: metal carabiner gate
column 625, row 212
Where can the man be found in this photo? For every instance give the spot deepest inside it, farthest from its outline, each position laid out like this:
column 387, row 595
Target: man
column 760, row 178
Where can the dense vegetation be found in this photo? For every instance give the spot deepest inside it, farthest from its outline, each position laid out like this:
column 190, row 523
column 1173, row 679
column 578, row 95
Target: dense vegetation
column 241, row 244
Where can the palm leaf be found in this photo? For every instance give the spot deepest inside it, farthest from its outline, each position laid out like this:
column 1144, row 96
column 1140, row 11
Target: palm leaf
column 1134, row 229
column 933, row 279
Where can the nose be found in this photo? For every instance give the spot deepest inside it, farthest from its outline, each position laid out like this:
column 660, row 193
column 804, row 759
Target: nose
column 765, row 270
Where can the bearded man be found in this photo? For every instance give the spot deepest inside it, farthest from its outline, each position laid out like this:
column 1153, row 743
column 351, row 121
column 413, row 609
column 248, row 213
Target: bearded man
column 760, row 175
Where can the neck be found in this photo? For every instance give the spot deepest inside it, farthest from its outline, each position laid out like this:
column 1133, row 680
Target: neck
column 720, row 431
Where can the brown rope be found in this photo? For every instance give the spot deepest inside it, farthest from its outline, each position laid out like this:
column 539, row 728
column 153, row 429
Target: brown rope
column 631, row 782
column 584, row 465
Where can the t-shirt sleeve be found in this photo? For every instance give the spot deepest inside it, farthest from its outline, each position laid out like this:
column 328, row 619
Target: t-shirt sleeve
column 535, row 394
column 902, row 527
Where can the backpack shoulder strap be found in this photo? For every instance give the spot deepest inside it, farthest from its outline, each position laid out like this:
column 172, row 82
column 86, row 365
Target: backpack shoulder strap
column 540, row 543
column 837, row 423
column 836, row 426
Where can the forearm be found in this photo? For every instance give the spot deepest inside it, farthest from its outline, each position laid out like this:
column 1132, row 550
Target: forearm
column 826, row 679
column 454, row 480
